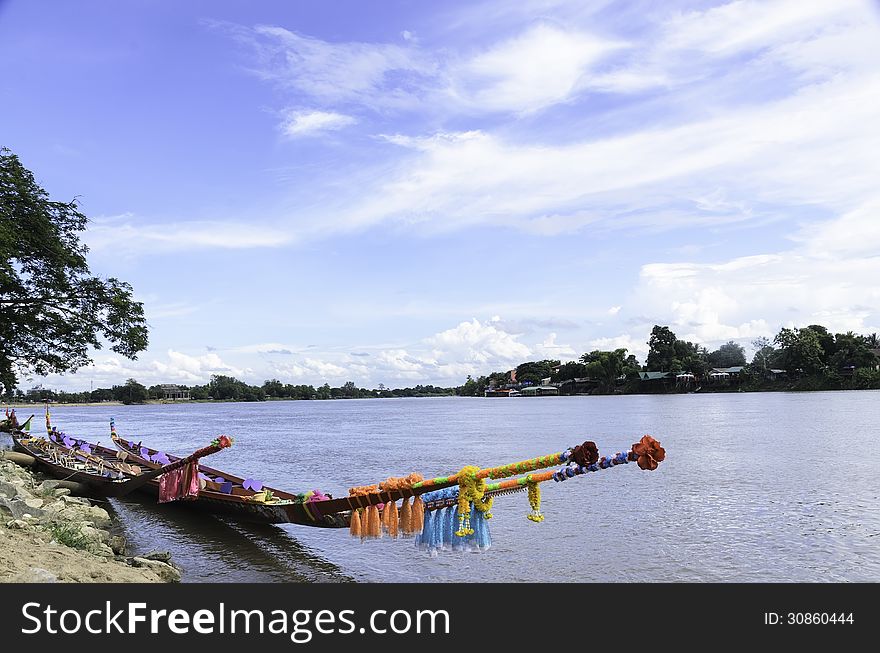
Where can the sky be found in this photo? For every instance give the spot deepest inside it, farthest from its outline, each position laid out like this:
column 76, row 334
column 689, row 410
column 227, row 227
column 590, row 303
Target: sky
column 410, row 192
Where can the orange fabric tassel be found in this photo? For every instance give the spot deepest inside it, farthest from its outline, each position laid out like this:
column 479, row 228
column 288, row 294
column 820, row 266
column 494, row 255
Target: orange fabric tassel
column 355, row 528
column 406, row 517
column 391, row 509
column 374, row 525
column 386, row 517
column 418, row 515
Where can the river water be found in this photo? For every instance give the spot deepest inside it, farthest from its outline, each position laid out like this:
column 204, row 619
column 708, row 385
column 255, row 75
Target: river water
column 755, row 487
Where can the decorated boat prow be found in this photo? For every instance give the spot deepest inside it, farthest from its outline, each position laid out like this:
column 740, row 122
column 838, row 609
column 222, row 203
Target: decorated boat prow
column 115, row 478
column 9, row 423
column 443, row 512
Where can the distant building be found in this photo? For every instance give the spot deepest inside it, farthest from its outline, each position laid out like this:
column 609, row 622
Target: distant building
column 540, row 391
column 655, row 376
column 174, row 392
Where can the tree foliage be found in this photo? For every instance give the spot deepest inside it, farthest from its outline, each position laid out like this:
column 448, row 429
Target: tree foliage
column 535, row 371
column 52, row 310
column 666, row 353
column 727, row 355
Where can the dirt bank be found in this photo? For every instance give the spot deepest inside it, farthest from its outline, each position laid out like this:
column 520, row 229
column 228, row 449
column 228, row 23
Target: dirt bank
column 47, row 535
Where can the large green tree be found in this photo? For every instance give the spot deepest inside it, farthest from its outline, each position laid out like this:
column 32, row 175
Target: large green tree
column 661, row 349
column 666, row 353
column 606, row 367
column 800, row 350
column 53, row 311
column 535, row 371
column 730, row 354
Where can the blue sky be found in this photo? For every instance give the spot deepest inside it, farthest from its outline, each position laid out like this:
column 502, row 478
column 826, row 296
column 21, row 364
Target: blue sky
column 409, row 192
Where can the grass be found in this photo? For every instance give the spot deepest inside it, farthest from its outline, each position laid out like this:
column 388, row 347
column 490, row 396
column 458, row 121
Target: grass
column 70, row 535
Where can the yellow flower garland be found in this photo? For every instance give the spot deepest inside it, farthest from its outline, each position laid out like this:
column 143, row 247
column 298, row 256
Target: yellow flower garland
column 471, row 490
column 534, row 500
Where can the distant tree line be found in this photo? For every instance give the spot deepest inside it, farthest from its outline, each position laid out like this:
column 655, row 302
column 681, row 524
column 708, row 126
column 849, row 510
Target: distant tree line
column 808, row 358
column 223, row 388
column 804, row 358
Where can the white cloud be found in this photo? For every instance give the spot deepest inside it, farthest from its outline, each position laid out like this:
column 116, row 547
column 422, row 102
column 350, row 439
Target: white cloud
column 129, row 235
column 550, row 349
column 475, row 342
column 335, row 72
column 175, row 367
column 310, row 123
column 540, row 67
column 828, row 278
column 777, row 153
column 310, row 370
column 614, row 310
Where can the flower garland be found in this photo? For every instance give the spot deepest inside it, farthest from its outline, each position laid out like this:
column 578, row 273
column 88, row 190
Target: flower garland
column 471, row 492
column 648, row 453
column 400, row 482
column 222, row 441
column 534, row 500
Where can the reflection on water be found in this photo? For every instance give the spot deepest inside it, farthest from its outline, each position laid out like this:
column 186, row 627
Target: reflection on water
column 218, row 550
column 756, row 487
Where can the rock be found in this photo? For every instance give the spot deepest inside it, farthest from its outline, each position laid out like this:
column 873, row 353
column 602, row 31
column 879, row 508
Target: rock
column 161, row 556
column 91, row 533
column 99, row 515
column 35, row 575
column 104, row 551
column 8, row 490
column 16, row 508
column 117, row 543
column 18, row 524
column 165, row 571
column 61, row 492
column 78, row 501
column 34, row 502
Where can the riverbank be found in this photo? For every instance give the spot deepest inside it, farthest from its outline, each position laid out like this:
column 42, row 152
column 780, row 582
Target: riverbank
column 49, row 535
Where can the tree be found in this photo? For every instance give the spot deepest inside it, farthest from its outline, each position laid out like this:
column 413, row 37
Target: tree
column 52, row 310
column 661, row 349
column 666, row 353
column 535, row 371
column 728, row 355
column 569, row 371
column 273, row 388
column 800, row 350
column 764, row 353
column 826, row 342
column 607, row 367
column 130, row 393
column 850, row 350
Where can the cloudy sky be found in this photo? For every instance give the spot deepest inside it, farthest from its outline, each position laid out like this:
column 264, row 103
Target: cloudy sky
column 410, row 192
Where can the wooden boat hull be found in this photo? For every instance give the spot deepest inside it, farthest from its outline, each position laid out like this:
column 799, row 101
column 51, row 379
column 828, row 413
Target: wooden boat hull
column 235, row 507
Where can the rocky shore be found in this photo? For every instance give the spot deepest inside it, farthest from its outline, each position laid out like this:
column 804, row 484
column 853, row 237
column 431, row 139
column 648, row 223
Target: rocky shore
column 49, row 535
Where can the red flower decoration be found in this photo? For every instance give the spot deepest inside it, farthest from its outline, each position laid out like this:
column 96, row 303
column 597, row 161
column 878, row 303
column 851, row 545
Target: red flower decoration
column 648, row 453
column 224, row 441
column 585, row 454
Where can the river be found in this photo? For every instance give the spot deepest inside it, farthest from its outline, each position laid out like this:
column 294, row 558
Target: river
column 755, row 486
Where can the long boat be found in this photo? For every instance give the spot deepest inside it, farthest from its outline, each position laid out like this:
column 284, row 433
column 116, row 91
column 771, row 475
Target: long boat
column 430, row 508
column 230, row 498
column 102, row 473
